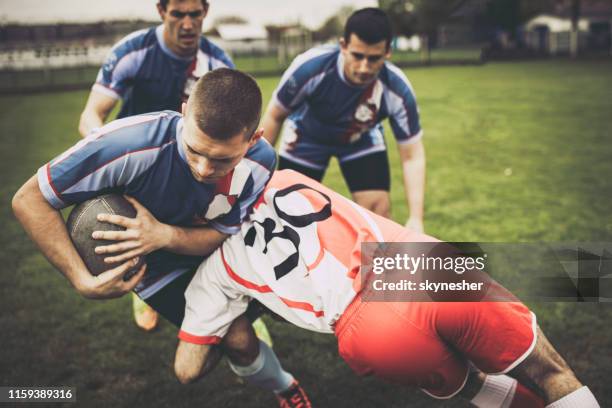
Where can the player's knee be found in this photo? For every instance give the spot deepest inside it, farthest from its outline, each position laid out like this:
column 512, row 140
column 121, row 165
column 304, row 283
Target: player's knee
column 184, row 374
column 240, row 343
column 377, row 203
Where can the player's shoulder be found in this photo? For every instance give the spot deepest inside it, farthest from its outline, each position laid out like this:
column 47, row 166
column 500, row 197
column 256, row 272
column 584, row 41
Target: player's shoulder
column 395, row 79
column 315, row 60
column 135, row 41
column 214, row 51
column 140, row 131
column 262, row 153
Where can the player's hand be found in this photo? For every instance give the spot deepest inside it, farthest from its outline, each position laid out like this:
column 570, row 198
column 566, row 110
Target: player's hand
column 415, row 224
column 143, row 234
column 110, row 284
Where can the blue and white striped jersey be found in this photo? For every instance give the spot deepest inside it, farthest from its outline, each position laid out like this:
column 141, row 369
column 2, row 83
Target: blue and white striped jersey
column 149, row 77
column 326, row 109
column 142, row 156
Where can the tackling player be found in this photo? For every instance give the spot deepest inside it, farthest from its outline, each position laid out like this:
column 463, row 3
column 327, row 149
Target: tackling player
column 300, row 255
column 193, row 179
column 333, row 101
column 152, row 70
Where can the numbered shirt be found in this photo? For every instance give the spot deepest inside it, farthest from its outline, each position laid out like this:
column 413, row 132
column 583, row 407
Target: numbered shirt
column 148, row 76
column 143, row 156
column 299, row 254
column 325, row 108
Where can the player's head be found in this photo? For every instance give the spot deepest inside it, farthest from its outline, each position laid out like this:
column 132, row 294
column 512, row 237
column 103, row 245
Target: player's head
column 220, row 123
column 182, row 24
column 365, row 45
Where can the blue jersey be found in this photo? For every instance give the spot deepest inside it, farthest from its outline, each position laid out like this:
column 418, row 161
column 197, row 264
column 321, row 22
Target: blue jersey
column 326, row 109
column 149, row 77
column 143, row 156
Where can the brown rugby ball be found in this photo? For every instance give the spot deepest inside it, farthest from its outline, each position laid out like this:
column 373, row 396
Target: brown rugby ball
column 83, row 221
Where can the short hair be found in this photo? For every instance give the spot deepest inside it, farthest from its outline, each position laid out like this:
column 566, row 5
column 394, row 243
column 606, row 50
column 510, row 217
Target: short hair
column 164, row 3
column 226, row 102
column 370, row 24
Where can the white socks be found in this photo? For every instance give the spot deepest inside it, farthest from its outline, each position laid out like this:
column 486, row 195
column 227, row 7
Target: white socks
column 265, row 372
column 496, row 392
column 581, row 398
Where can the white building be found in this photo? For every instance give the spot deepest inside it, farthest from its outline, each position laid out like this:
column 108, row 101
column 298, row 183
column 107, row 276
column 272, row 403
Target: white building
column 552, row 33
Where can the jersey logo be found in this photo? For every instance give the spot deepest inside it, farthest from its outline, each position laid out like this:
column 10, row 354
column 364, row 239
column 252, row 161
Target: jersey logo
column 365, row 113
column 269, row 225
column 109, row 65
column 198, row 67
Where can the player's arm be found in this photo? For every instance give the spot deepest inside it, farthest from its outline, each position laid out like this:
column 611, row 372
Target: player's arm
column 45, row 226
column 96, row 111
column 412, row 156
column 273, row 121
column 144, row 234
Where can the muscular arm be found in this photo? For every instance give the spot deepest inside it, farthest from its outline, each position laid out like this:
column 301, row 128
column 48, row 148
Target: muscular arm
column 96, row 111
column 45, row 226
column 145, row 234
column 413, row 165
column 273, row 122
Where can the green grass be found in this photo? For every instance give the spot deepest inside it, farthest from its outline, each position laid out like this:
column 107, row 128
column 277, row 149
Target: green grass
column 549, row 122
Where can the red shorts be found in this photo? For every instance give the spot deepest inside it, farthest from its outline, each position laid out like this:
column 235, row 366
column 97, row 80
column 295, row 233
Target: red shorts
column 431, row 344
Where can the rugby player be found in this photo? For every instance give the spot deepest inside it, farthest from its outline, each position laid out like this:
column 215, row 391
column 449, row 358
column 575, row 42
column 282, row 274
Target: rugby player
column 193, row 179
column 153, row 70
column 299, row 254
column 332, row 101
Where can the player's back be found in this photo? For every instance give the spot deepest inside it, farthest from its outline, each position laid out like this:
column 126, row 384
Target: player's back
column 300, row 253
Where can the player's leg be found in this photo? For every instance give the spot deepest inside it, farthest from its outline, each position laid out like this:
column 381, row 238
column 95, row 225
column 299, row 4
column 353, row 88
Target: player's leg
column 395, row 341
column 551, row 374
column 261, row 366
column 503, row 338
column 145, row 317
column 313, row 173
column 492, row 391
column 368, row 179
column 249, row 358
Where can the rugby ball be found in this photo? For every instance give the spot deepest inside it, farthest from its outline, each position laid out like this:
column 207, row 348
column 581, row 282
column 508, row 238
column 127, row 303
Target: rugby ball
column 83, row 221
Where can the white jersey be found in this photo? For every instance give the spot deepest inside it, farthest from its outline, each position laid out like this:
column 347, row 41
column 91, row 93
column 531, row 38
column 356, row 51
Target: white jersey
column 299, row 255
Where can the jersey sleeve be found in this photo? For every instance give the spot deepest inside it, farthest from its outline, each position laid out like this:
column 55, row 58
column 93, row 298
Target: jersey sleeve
column 219, row 58
column 121, row 65
column 104, row 161
column 403, row 109
column 250, row 178
column 301, row 79
column 211, row 306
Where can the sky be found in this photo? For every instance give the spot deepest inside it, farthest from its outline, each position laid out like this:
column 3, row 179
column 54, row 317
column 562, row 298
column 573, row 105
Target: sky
column 311, row 13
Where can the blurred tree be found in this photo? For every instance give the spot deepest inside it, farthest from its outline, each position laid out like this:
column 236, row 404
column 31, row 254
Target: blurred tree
column 229, row 20
column 422, row 17
column 333, row 27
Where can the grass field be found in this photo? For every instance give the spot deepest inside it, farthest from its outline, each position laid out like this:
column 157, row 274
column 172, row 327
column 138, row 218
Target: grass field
column 549, row 122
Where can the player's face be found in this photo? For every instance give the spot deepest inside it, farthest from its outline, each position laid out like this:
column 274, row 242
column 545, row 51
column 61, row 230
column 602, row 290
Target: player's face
column 363, row 61
column 210, row 159
column 183, row 25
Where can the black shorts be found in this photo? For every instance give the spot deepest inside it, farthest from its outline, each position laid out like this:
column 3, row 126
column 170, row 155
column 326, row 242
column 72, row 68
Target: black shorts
column 369, row 172
column 169, row 301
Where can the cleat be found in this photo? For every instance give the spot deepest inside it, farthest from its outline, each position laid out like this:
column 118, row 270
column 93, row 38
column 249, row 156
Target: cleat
column 293, row 397
column 145, row 317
